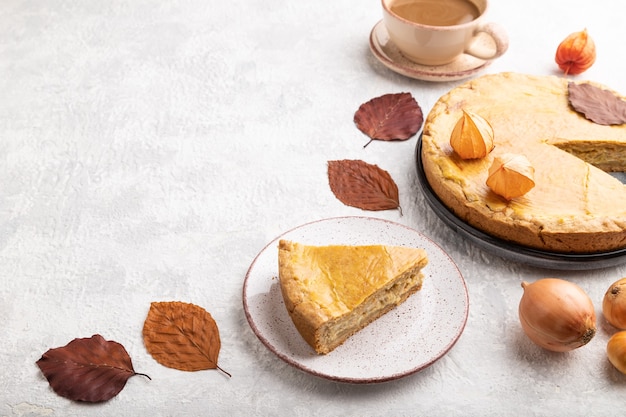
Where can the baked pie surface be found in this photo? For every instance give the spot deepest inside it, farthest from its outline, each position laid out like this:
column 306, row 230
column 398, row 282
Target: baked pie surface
column 575, row 207
column 331, row 292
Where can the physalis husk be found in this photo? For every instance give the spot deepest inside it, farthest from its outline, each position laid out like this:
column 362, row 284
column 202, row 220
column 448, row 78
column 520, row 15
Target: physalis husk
column 472, row 136
column 576, row 53
column 511, row 176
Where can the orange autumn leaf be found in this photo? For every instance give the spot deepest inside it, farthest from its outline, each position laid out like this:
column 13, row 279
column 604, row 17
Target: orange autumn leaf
column 182, row 336
column 359, row 184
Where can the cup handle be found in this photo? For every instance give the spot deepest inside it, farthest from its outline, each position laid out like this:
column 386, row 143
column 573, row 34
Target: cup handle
column 484, row 48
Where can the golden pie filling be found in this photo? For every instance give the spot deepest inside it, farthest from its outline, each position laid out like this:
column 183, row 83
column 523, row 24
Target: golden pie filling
column 575, row 206
column 331, row 292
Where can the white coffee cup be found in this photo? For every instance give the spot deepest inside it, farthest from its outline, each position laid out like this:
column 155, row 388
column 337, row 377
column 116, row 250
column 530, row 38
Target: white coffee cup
column 430, row 44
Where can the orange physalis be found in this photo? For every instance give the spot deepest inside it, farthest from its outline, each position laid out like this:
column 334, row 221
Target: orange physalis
column 511, row 176
column 576, row 53
column 472, row 136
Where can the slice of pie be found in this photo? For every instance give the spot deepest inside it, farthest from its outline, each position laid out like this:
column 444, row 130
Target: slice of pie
column 331, row 292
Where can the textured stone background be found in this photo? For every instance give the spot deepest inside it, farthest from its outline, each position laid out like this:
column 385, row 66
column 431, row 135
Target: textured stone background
column 150, row 149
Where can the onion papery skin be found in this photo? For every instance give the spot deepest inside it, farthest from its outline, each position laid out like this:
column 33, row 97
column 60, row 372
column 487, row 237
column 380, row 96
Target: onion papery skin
column 616, row 351
column 557, row 315
column 614, row 304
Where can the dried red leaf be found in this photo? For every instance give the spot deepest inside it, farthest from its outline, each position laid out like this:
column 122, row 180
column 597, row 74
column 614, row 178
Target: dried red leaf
column 596, row 104
column 359, row 184
column 182, row 336
column 89, row 369
column 389, row 117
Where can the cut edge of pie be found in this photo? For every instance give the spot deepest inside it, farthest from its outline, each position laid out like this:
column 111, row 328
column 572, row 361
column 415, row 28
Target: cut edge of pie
column 332, row 292
column 575, row 206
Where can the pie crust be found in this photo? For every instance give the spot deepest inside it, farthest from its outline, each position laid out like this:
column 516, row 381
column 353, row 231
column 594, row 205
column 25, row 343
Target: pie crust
column 575, row 207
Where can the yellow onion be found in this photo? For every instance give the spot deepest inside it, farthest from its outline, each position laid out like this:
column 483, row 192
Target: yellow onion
column 557, row 314
column 616, row 351
column 614, row 304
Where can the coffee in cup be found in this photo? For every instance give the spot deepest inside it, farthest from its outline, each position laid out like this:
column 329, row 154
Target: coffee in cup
column 436, row 32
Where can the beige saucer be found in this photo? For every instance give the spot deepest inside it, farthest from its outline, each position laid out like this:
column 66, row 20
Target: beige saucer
column 388, row 53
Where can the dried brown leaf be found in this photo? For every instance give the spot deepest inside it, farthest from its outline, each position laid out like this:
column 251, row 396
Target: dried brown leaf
column 89, row 369
column 359, row 184
column 182, row 336
column 596, row 104
column 389, row 117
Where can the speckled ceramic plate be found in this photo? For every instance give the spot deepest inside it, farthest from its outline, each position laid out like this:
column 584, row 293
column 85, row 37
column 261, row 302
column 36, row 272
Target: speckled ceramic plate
column 386, row 51
column 509, row 250
column 404, row 341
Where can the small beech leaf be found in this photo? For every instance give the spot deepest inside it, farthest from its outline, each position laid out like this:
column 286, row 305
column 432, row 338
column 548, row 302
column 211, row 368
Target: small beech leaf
column 596, row 104
column 390, row 117
column 182, row 336
column 89, row 369
column 359, row 184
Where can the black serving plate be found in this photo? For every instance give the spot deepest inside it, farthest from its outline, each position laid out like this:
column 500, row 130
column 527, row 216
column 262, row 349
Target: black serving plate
column 508, row 250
